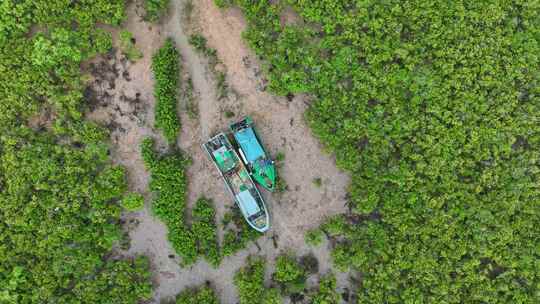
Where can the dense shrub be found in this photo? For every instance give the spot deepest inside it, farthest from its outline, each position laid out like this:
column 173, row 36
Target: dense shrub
column 59, row 211
column 314, row 237
column 202, row 295
column 42, row 70
column 434, row 119
column 133, row 202
column 59, row 219
column 205, row 230
column 326, row 293
column 155, row 9
column 166, row 69
column 272, row 296
column 168, row 182
column 249, row 281
column 287, row 269
column 335, row 225
column 289, row 274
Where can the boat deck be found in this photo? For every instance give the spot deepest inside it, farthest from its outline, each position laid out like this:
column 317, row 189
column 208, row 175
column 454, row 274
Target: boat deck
column 238, row 181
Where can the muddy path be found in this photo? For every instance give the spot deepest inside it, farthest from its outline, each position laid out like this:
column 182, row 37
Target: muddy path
column 123, row 101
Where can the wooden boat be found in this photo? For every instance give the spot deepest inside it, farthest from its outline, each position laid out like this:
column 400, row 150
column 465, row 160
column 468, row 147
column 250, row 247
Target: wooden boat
column 238, row 181
column 253, row 154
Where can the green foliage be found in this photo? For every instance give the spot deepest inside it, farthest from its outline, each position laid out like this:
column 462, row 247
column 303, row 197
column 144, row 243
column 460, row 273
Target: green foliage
column 249, row 282
column 289, row 274
column 327, row 291
column 205, row 230
column 202, row 295
column 43, row 68
column 317, row 182
column 238, row 235
column 166, row 69
column 147, row 152
column 127, row 45
column 59, row 218
column 133, row 202
column 335, row 226
column 434, row 120
column 168, row 181
column 287, row 269
column 155, row 9
column 314, row 237
column 59, row 211
column 272, row 296
column 198, row 42
column 102, row 41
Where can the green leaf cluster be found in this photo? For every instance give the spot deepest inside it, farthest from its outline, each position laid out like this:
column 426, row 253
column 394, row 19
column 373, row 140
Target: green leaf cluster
column 289, row 274
column 431, row 106
column 202, row 295
column 133, row 201
column 249, row 282
column 326, row 293
column 169, row 184
column 155, row 9
column 314, row 237
column 166, row 69
column 199, row 43
column 204, row 228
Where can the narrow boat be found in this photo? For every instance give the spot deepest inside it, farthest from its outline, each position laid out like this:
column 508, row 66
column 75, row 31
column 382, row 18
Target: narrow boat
column 238, row 182
column 253, row 154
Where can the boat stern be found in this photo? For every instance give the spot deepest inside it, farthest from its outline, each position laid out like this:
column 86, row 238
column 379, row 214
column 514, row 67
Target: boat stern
column 261, row 224
column 253, row 209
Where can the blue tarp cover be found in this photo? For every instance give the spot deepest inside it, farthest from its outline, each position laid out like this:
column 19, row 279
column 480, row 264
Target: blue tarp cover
column 247, row 203
column 249, row 144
